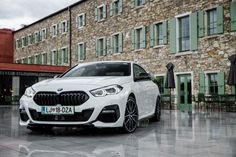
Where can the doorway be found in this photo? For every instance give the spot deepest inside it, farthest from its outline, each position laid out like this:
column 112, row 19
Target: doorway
column 184, row 92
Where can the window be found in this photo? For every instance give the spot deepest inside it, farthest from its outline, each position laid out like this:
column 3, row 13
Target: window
column 64, row 26
column 136, row 3
column 44, row 34
column 159, row 34
column 54, row 30
column 55, row 57
column 138, row 70
column 31, row 60
column 211, row 22
column 24, row 41
column 80, row 53
column 36, row 59
column 37, row 37
column 100, row 69
column 44, row 58
column 18, row 43
column 212, row 83
column 25, row 60
column 64, row 55
column 100, row 13
column 116, row 7
column 80, row 21
column 184, row 34
column 18, row 61
column 138, row 38
column 116, row 43
column 30, row 39
column 101, row 46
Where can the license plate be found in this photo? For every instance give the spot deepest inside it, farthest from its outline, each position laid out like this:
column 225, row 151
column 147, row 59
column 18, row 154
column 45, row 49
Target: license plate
column 57, row 110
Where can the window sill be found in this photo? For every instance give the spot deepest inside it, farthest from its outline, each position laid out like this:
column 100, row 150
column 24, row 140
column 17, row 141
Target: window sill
column 184, row 53
column 115, row 54
column 101, row 20
column 80, row 28
column 137, row 50
column 158, row 46
column 138, row 7
column 211, row 36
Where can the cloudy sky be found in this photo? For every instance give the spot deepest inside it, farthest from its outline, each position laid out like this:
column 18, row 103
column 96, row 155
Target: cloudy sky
column 13, row 13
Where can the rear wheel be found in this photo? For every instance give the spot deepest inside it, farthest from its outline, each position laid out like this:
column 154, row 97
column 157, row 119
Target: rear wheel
column 131, row 116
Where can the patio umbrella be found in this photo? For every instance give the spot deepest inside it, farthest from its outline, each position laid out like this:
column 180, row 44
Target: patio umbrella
column 170, row 79
column 232, row 72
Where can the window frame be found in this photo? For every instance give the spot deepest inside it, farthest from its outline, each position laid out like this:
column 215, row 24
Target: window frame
column 78, row 20
column 79, row 51
column 54, row 33
column 207, row 21
column 64, row 28
column 44, row 34
column 99, row 12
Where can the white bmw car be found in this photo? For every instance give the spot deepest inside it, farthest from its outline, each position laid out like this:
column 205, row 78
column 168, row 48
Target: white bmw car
column 101, row 94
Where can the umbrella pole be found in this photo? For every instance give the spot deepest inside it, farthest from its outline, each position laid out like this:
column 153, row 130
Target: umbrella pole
column 170, row 100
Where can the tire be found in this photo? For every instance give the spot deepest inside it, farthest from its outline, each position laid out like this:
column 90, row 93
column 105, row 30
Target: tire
column 131, row 116
column 157, row 115
column 36, row 128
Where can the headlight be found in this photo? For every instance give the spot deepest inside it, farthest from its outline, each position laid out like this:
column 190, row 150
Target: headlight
column 29, row 92
column 108, row 90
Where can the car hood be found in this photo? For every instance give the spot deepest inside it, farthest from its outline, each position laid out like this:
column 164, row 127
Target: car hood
column 82, row 83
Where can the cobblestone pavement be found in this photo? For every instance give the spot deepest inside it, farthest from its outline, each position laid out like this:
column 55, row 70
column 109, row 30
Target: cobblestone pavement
column 178, row 134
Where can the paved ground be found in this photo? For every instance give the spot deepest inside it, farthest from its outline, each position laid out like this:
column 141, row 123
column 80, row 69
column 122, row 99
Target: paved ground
column 178, row 134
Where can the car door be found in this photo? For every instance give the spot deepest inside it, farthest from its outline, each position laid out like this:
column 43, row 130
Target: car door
column 142, row 89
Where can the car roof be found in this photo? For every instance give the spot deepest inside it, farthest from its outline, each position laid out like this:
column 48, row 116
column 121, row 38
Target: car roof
column 95, row 62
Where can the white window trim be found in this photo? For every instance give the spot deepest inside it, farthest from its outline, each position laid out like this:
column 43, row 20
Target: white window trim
column 54, row 35
column 156, row 23
column 35, row 38
column 100, row 6
column 66, row 24
column 177, row 32
column 44, row 38
column 206, row 35
column 78, row 44
column 17, row 43
column 83, row 15
column 206, row 73
column 112, row 35
column 62, row 55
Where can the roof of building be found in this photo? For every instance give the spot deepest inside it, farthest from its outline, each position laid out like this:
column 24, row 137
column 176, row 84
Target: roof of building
column 32, row 68
column 50, row 15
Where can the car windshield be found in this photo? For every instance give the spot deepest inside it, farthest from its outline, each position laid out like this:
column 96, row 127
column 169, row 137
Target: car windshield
column 100, row 69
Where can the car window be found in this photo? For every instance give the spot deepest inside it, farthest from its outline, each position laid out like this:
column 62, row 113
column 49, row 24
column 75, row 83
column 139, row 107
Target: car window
column 100, row 69
column 137, row 70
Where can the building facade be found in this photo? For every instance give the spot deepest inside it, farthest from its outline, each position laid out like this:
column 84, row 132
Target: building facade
column 196, row 36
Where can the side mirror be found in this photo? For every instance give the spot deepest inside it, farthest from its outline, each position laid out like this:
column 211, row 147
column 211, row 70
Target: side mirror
column 56, row 76
column 143, row 76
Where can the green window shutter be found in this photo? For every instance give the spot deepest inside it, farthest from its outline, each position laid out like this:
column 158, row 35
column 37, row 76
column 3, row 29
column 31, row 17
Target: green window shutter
column 233, row 90
column 133, row 3
column 51, row 57
column 201, row 83
column 143, row 38
column 40, row 59
column 111, row 44
column 105, row 11
column 81, row 55
column 220, row 19
column 96, row 14
column 151, row 35
column 132, row 39
column 233, row 16
column 56, row 57
column 96, row 48
column 58, row 28
column 173, row 35
column 193, row 31
column 60, row 57
column 104, row 46
column 45, row 59
column 77, row 52
column 164, row 32
column 120, row 6
column 201, row 26
column 84, row 51
column 120, row 42
column 66, row 56
column 111, row 7
column 221, row 83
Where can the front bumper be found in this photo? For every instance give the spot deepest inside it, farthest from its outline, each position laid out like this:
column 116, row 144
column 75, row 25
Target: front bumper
column 105, row 111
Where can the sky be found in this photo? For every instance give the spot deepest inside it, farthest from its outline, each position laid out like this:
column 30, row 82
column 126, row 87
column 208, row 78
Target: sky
column 14, row 13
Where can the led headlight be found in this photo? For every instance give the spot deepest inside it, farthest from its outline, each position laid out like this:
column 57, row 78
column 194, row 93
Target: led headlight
column 29, row 92
column 108, row 90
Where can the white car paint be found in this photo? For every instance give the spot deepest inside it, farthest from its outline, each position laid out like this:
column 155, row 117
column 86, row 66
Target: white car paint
column 146, row 93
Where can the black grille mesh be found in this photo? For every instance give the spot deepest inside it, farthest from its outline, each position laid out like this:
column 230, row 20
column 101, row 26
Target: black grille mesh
column 65, row 98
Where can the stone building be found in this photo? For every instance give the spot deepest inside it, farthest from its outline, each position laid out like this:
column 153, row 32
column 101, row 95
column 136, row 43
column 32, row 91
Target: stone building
column 196, row 36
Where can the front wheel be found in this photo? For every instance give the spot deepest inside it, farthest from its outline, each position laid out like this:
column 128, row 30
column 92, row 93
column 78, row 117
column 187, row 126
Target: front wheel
column 131, row 116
